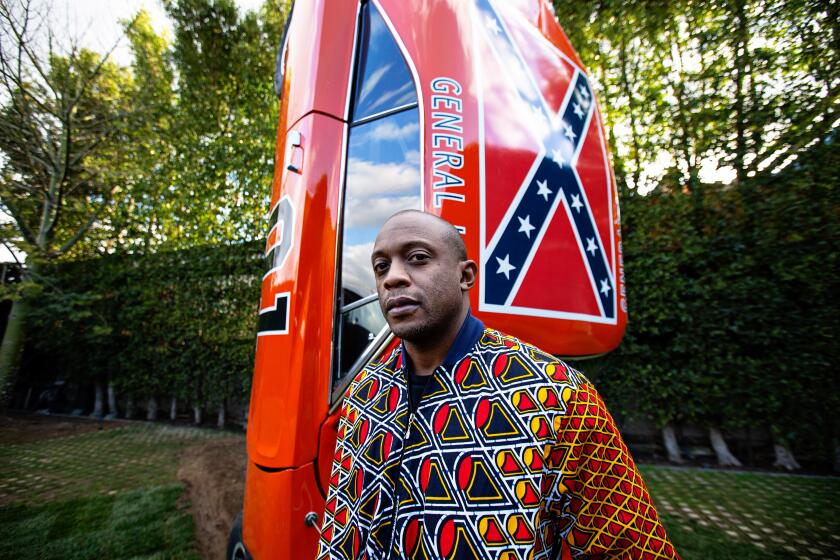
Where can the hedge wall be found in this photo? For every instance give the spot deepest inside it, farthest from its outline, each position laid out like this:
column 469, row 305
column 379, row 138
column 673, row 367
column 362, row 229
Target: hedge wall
column 173, row 324
column 733, row 302
column 733, row 295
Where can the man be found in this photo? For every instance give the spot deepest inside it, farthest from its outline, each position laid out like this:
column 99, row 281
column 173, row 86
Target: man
column 467, row 443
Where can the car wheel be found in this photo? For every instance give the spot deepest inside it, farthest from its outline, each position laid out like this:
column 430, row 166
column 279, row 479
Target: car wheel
column 236, row 548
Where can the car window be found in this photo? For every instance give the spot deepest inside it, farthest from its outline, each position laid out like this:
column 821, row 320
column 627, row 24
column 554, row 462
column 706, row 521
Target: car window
column 383, row 81
column 382, row 177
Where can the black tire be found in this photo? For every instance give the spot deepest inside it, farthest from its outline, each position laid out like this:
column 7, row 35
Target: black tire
column 236, row 548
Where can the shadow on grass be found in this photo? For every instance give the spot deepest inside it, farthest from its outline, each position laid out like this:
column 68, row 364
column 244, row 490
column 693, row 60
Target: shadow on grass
column 141, row 524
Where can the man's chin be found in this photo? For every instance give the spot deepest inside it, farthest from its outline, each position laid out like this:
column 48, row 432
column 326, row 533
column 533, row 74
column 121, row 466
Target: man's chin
column 410, row 331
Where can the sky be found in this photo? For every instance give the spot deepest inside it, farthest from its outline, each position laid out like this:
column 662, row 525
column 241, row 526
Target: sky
column 96, row 22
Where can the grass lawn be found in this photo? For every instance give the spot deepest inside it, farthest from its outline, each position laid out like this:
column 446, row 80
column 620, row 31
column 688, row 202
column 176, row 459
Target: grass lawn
column 114, row 494
column 110, row 494
column 137, row 524
column 723, row 515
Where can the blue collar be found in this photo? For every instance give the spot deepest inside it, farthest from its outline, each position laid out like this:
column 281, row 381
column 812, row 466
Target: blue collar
column 471, row 331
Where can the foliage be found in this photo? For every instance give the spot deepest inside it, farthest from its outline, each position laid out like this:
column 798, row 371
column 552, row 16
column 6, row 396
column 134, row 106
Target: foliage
column 731, row 326
column 723, row 117
column 172, row 153
column 62, row 127
column 740, row 85
column 209, row 150
column 170, row 323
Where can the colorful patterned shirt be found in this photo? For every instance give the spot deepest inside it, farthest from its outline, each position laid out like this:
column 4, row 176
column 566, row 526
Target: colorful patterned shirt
column 510, row 454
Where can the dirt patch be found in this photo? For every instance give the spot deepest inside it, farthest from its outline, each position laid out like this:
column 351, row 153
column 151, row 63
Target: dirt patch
column 29, row 428
column 214, row 476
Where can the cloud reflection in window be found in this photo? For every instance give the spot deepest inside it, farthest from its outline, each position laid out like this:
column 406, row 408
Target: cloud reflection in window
column 383, row 177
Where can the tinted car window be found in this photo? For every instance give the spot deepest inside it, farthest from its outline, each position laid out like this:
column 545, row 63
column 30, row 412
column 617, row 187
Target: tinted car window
column 383, row 81
column 383, row 177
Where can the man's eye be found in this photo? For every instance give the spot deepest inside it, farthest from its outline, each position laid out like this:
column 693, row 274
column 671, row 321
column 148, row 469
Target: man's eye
column 380, row 266
column 418, row 257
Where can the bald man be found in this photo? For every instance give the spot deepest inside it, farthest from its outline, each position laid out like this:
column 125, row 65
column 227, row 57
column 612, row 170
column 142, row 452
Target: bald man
column 468, row 443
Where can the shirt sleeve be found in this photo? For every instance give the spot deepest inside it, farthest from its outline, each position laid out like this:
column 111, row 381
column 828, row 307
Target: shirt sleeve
column 339, row 473
column 604, row 510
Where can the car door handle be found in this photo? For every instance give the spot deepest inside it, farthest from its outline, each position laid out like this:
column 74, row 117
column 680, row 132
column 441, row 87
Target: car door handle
column 294, row 151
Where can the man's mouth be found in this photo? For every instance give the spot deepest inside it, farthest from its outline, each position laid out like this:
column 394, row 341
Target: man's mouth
column 401, row 305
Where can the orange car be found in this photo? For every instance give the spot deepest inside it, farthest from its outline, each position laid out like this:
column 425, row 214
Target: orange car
column 476, row 110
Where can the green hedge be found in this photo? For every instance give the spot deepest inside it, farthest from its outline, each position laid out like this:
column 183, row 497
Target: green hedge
column 734, row 315
column 177, row 324
column 733, row 303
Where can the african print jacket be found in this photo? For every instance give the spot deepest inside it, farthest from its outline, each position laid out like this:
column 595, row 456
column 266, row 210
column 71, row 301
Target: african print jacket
column 510, row 454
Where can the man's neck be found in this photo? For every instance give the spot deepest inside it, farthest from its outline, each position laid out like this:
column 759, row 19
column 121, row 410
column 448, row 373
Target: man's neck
column 426, row 357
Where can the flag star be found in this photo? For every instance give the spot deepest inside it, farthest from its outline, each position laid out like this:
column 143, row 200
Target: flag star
column 493, row 25
column 504, row 266
column 576, row 203
column 543, row 190
column 557, row 156
column 583, row 92
column 590, row 245
column 578, row 110
column 538, row 115
column 605, row 287
column 525, row 225
column 570, row 134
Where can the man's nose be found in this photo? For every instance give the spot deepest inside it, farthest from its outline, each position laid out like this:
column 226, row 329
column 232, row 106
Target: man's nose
column 396, row 276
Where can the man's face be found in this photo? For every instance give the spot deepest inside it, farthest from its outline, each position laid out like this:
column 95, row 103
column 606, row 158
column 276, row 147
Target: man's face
column 419, row 277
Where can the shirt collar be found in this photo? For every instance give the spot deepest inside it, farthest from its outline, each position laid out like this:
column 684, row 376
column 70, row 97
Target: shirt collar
column 471, row 331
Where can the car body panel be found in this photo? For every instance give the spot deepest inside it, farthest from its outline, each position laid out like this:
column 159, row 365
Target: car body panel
column 291, row 385
column 275, row 510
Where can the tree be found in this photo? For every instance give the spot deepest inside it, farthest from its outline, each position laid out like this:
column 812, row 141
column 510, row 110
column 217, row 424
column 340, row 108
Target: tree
column 62, row 139
column 716, row 288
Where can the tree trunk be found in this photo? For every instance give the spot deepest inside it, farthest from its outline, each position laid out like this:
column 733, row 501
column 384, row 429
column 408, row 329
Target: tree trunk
column 152, row 409
column 724, row 456
column 672, row 447
column 11, row 347
column 739, row 47
column 631, row 109
column 99, row 401
column 112, row 401
column 197, row 414
column 785, row 458
column 836, row 461
column 129, row 407
column 173, row 409
column 220, row 419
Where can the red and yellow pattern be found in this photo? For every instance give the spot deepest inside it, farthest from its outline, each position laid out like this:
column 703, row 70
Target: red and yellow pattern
column 510, row 455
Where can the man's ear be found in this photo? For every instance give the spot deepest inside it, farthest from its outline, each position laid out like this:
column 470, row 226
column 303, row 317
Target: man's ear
column 468, row 272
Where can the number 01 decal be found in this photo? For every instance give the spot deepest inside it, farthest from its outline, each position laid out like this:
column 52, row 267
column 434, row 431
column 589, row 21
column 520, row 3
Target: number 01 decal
column 282, row 234
column 274, row 319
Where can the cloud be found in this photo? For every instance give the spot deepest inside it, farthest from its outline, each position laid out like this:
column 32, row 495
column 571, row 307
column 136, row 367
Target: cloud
column 356, row 273
column 372, row 213
column 366, row 179
column 386, row 129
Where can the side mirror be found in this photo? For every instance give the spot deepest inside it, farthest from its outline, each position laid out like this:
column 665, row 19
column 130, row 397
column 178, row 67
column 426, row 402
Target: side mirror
column 280, row 61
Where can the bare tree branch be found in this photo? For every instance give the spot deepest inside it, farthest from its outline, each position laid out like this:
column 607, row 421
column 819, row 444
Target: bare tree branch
column 27, row 234
column 77, row 236
column 11, row 252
